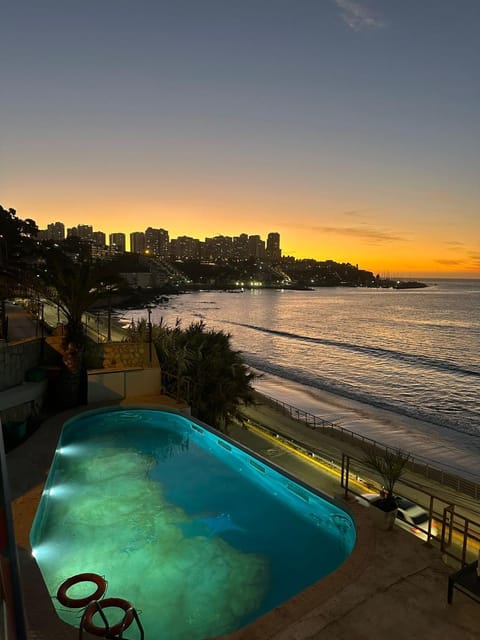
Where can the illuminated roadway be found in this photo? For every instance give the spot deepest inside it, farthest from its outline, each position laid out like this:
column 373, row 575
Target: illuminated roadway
column 321, row 474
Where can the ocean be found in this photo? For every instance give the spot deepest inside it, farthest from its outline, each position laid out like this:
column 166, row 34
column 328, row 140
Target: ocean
column 399, row 366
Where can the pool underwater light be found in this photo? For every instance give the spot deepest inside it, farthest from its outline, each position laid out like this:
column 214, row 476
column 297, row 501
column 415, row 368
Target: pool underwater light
column 64, row 490
column 70, row 450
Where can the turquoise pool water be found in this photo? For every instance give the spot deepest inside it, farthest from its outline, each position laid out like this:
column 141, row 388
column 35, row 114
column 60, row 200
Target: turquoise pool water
column 199, row 535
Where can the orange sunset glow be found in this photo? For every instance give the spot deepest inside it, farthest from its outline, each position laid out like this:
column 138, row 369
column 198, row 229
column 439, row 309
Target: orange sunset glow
column 326, row 133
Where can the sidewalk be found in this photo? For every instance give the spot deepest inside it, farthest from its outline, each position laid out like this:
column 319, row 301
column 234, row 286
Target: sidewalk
column 263, row 414
column 21, row 325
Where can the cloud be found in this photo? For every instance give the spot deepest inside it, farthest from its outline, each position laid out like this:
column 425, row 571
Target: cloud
column 450, row 263
column 453, row 244
column 475, row 258
column 470, row 263
column 357, row 16
column 365, row 233
column 355, row 213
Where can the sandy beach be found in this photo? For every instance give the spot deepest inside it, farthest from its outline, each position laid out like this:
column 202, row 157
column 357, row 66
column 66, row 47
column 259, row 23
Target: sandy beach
column 453, row 451
column 448, row 450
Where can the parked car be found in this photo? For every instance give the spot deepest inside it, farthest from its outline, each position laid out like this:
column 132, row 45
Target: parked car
column 410, row 516
column 413, row 518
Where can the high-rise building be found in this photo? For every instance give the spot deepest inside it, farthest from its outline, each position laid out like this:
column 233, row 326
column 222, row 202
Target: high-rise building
column 56, row 231
column 185, row 248
column 117, row 242
column 137, row 242
column 240, row 246
column 83, row 231
column 99, row 238
column 273, row 251
column 156, row 242
column 219, row 247
column 256, row 247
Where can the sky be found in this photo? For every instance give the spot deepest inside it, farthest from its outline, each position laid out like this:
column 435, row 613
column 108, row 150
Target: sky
column 350, row 127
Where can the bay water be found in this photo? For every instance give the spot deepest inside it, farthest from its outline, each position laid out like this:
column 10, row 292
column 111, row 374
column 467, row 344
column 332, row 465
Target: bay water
column 400, row 366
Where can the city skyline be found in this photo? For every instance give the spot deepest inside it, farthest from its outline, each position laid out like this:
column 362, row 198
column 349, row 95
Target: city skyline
column 351, row 127
column 158, row 241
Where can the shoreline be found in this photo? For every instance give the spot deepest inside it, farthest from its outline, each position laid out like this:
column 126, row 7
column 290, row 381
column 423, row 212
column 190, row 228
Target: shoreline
column 443, row 447
column 421, row 439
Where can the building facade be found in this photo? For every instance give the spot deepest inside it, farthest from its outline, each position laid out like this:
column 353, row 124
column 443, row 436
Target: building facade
column 117, row 242
column 157, row 242
column 137, row 242
column 273, row 252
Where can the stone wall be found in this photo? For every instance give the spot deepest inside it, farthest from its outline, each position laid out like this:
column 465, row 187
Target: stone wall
column 128, row 355
column 16, row 359
column 113, row 355
column 126, row 370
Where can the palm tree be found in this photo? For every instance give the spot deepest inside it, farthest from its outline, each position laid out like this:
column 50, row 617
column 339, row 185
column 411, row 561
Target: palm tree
column 221, row 381
column 390, row 466
column 202, row 365
column 74, row 286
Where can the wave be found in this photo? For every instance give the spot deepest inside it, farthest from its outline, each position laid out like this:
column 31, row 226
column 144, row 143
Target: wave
column 302, row 377
column 378, row 352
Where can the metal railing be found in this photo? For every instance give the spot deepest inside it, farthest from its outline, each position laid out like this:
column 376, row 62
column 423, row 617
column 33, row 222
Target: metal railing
column 416, row 464
column 459, row 534
column 456, row 523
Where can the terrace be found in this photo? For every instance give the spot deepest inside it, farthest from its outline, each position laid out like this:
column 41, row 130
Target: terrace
column 392, row 583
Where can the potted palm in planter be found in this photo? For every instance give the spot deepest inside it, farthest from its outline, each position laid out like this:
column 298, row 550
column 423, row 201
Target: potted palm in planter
column 389, row 464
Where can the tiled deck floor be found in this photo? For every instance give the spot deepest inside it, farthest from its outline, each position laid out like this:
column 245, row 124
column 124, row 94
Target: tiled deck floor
column 392, row 586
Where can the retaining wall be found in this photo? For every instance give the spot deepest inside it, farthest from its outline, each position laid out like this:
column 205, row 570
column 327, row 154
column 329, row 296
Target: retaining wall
column 105, row 386
column 15, row 360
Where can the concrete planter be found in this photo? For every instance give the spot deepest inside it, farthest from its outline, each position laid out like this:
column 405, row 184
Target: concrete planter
column 383, row 520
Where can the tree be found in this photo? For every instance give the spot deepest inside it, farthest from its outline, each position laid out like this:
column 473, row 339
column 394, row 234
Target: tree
column 202, row 365
column 74, row 286
column 219, row 378
column 17, row 239
column 390, row 465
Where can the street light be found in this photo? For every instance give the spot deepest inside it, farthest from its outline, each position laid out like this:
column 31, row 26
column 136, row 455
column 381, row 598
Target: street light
column 42, row 327
column 149, row 311
column 36, row 310
column 109, row 288
column 109, row 314
column 3, row 250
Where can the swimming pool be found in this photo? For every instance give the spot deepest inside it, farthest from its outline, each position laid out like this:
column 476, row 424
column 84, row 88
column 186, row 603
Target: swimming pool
column 200, row 535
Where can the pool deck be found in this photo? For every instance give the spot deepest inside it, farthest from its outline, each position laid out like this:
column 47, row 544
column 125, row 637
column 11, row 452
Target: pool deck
column 393, row 585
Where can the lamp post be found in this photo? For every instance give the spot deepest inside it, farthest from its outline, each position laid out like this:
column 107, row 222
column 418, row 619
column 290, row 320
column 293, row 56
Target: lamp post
column 109, row 288
column 3, row 251
column 37, row 315
column 109, row 314
column 42, row 329
column 149, row 334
